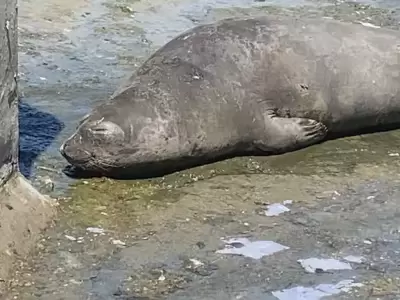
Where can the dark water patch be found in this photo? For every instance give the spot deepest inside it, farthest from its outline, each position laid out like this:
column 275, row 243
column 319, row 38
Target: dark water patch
column 38, row 129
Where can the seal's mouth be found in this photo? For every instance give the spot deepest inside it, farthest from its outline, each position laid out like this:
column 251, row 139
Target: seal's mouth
column 84, row 158
column 82, row 164
column 73, row 154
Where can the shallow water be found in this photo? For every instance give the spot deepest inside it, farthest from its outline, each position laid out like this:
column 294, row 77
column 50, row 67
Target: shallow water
column 159, row 239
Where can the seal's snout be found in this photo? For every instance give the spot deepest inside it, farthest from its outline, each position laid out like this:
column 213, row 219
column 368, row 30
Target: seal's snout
column 73, row 151
column 94, row 145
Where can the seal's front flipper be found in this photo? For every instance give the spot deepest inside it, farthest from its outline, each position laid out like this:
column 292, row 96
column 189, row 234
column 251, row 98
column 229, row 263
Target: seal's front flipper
column 288, row 134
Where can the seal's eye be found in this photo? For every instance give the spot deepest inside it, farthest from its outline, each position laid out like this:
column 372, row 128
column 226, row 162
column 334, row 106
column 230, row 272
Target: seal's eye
column 106, row 130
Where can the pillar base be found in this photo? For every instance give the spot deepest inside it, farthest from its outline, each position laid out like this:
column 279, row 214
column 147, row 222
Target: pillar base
column 24, row 213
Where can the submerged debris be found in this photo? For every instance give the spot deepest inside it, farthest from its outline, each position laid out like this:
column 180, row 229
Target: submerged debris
column 97, row 230
column 69, row 237
column 354, row 259
column 317, row 292
column 256, row 250
column 195, row 262
column 313, row 265
column 367, row 24
column 275, row 209
column 118, row 242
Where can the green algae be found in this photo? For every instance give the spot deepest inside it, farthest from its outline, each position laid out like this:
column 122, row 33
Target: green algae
column 112, row 204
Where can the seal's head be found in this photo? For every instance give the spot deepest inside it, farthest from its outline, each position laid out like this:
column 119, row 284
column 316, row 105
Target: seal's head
column 94, row 145
column 119, row 144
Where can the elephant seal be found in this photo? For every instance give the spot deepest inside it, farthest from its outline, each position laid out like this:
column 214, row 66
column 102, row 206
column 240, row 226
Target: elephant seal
column 255, row 86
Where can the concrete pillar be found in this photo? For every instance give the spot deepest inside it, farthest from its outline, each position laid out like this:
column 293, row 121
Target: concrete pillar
column 24, row 212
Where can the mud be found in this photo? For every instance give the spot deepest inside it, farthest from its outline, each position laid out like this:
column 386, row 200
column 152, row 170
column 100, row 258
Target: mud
column 157, row 239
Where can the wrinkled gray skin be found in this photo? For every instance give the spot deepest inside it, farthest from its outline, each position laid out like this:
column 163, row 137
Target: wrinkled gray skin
column 256, row 86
